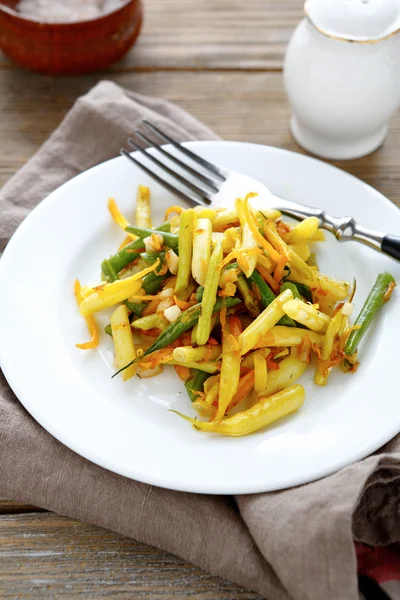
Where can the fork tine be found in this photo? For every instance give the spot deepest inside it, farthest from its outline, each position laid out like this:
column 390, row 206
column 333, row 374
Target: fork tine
column 195, row 157
column 197, row 190
column 178, row 162
column 187, row 197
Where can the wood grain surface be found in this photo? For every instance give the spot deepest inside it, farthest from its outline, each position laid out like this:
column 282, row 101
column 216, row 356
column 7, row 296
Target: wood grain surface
column 222, row 61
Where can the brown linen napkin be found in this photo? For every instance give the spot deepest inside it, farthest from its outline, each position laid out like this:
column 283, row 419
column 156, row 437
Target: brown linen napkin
column 296, row 544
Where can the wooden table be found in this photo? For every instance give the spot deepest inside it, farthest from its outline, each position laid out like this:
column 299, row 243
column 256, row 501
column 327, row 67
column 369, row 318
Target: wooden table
column 222, row 61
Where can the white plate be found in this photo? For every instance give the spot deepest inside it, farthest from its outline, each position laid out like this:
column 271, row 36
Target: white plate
column 126, row 427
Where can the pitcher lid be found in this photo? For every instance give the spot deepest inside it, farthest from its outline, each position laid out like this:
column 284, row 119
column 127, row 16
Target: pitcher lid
column 363, row 21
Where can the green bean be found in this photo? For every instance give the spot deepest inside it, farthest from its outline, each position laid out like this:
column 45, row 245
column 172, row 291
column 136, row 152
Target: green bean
column 195, row 383
column 375, row 300
column 230, row 266
column 151, row 257
column 152, row 282
column 267, row 296
column 288, row 285
column 199, row 293
column 302, row 289
column 136, row 307
column 186, row 321
column 113, row 265
column 186, row 228
column 210, row 294
column 250, row 302
column 170, row 239
column 164, row 227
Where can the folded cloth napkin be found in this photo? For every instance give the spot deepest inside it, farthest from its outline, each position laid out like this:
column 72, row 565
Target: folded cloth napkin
column 294, row 544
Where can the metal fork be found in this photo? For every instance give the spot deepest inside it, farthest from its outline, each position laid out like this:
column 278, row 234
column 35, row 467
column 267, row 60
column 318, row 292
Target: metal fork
column 208, row 184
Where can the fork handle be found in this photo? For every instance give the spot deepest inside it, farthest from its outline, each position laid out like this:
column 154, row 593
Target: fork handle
column 391, row 245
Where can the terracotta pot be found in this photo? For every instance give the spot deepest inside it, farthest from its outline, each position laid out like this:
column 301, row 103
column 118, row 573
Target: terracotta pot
column 69, row 48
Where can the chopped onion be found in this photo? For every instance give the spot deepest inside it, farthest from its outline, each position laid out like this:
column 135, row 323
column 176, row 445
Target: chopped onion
column 172, row 313
column 347, row 309
column 172, row 261
column 149, row 242
column 148, row 245
column 167, row 293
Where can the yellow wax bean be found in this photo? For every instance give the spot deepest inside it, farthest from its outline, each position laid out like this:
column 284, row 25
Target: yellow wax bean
column 143, row 214
column 332, row 335
column 263, row 413
column 123, row 341
column 264, row 322
column 307, row 315
column 249, row 243
column 209, row 296
column 224, row 218
column 288, row 336
column 248, row 361
column 301, row 250
column 186, row 227
column 185, row 354
column 304, row 231
column 290, row 369
column 230, row 373
column 300, row 266
column 201, row 250
column 260, row 372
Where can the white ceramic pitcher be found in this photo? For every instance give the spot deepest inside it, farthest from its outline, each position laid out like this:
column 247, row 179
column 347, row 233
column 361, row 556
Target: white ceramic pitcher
column 342, row 75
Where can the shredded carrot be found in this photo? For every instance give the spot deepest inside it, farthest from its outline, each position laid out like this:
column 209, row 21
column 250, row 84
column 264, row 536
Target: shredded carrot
column 268, row 278
column 153, row 333
column 235, row 326
column 317, row 351
column 182, row 304
column 231, row 256
column 90, row 321
column 182, row 372
column 212, row 341
column 226, row 330
column 283, row 228
column 186, row 339
column 157, row 358
column 272, row 365
column 174, row 209
column 337, row 308
column 151, row 308
column 279, row 270
column 388, row 293
column 251, row 221
column 246, row 384
column 228, row 291
column 304, row 350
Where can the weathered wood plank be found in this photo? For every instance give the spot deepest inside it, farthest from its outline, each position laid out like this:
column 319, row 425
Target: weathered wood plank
column 210, row 34
column 240, row 106
column 46, row 556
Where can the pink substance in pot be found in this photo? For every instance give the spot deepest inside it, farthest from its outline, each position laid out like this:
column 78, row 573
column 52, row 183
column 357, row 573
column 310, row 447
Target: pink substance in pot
column 66, row 11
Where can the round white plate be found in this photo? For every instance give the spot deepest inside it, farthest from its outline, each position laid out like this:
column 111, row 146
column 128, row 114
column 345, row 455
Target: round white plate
column 126, row 427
